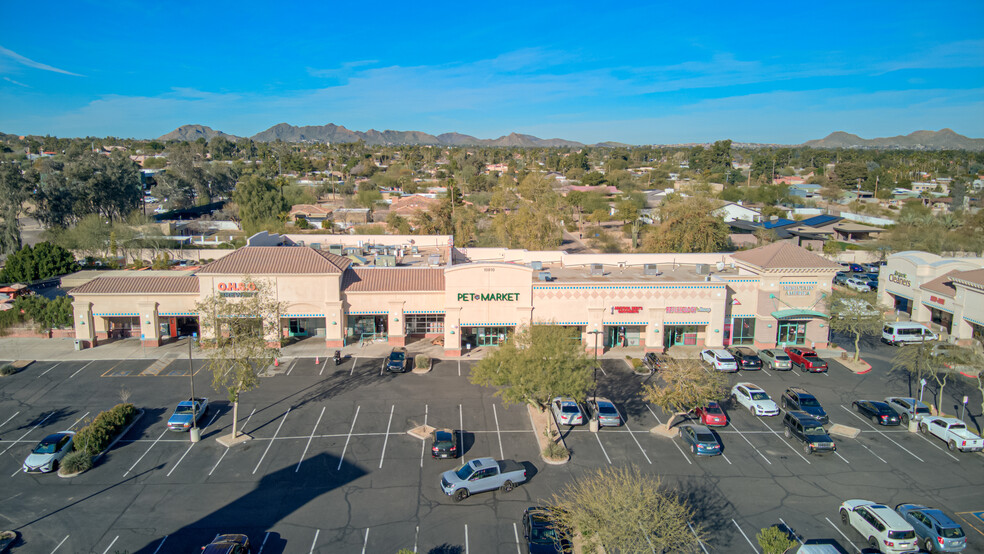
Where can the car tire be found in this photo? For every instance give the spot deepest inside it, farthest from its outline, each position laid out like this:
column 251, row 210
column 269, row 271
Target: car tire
column 952, row 445
column 873, row 543
column 930, row 544
column 507, row 486
column 54, row 466
column 807, row 450
column 784, row 405
column 856, row 407
column 845, row 519
column 874, row 419
column 904, row 418
column 787, row 433
column 460, row 495
column 751, row 410
column 923, row 428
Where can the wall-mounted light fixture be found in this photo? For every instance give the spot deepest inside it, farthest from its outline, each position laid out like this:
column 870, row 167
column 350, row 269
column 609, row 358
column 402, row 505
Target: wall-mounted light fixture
column 396, row 319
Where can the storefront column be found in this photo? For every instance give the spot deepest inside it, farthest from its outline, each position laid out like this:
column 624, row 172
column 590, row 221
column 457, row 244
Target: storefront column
column 85, row 329
column 150, row 325
column 594, row 332
column 920, row 312
column 963, row 333
column 334, row 325
column 397, row 324
column 654, row 330
column 452, row 332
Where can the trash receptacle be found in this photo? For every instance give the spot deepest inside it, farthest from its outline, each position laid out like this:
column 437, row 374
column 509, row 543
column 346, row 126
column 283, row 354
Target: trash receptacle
column 78, row 344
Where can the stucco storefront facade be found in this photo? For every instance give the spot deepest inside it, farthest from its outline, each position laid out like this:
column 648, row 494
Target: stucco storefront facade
column 761, row 297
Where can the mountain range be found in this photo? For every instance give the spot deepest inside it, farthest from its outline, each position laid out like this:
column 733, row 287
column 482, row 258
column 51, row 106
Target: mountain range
column 945, row 139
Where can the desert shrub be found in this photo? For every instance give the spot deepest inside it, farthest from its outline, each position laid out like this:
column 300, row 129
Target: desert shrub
column 96, row 436
column 422, row 361
column 77, row 462
column 555, row 450
column 8, row 369
column 636, row 363
column 774, row 540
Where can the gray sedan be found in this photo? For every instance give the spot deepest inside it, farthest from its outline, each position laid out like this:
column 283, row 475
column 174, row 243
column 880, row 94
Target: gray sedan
column 701, row 440
column 775, row 358
column 604, row 411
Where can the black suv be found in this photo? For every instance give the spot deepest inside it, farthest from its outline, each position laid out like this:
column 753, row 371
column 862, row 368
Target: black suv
column 397, row 360
column 746, row 357
column 651, row 361
column 796, row 398
column 805, row 428
column 445, row 444
column 228, row 544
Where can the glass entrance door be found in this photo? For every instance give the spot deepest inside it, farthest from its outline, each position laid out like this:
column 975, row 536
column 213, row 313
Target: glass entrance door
column 490, row 336
column 791, row 333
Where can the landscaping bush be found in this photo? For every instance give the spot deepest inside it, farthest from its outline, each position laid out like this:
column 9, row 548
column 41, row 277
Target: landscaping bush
column 555, row 451
column 636, row 363
column 96, row 436
column 774, row 540
column 421, row 361
column 8, row 369
column 76, row 462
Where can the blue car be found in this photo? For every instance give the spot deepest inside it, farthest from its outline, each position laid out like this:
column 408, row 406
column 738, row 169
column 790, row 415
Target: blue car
column 701, row 440
column 936, row 531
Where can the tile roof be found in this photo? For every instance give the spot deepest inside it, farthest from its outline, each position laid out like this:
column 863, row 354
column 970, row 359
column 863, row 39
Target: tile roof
column 783, row 255
column 139, row 285
column 974, row 277
column 280, row 260
column 393, row 279
column 941, row 285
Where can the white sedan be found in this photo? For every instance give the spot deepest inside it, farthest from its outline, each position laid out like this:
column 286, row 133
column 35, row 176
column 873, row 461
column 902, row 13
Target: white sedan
column 567, row 411
column 858, row 285
column 755, row 399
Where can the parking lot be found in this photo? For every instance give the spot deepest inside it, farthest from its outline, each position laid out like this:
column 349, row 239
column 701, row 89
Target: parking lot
column 332, row 469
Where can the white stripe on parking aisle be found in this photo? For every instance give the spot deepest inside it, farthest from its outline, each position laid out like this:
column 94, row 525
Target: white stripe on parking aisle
column 179, row 460
column 744, row 535
column 315, row 541
column 680, row 450
column 354, row 360
column 145, row 453
column 466, row 538
column 700, row 542
column 59, row 544
column 880, row 433
column 365, row 541
column 158, row 549
column 111, row 544
column 26, row 434
column 516, row 534
column 342, row 457
column 323, row 365
column 11, row 417
column 842, row 534
column 218, row 462
column 938, row 447
column 626, row 423
column 275, row 433
column 749, row 443
column 308, row 445
column 76, row 421
column 790, row 530
column 80, row 369
column 872, row 452
column 461, row 431
column 603, row 451
column 771, row 430
column 497, row 432
column 386, row 440
column 423, row 445
column 265, row 537
column 47, row 370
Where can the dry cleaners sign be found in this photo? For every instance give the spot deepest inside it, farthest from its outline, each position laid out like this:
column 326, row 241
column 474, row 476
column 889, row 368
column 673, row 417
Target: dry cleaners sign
column 900, row 278
column 488, row 297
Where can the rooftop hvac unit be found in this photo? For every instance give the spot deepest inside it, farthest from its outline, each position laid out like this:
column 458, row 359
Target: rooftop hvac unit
column 434, row 259
column 386, row 261
column 597, row 269
column 544, row 276
column 720, row 266
column 703, row 269
column 413, row 250
column 536, row 265
column 300, row 243
column 316, row 245
column 335, row 249
column 650, row 269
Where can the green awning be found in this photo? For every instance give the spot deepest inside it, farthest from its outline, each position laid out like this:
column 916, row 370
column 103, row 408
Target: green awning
column 796, row 312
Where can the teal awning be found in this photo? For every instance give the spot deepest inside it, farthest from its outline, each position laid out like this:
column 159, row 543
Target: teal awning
column 796, row 312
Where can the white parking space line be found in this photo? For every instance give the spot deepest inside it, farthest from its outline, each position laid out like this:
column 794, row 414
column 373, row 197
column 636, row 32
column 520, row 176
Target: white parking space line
column 515, row 534
column 459, row 368
column 80, row 369
column 648, row 540
column 680, row 450
column 315, row 541
column 347, row 439
column 211, row 420
column 43, row 373
column 275, row 433
column 740, row 434
column 603, row 451
column 355, row 359
column 938, row 447
column 159, row 546
column 654, row 414
column 245, row 423
column 324, row 364
column 365, row 541
column 18, row 470
column 9, row 418
column 461, row 430
column 265, row 537
column 26, row 434
column 625, row 422
column 145, row 453
column 497, row 432
column 744, row 535
column 179, row 459
column 386, row 440
column 308, row 445
column 78, row 420
column 602, row 368
column 416, row 535
column 466, row 538
column 700, row 542
column 766, row 371
column 723, row 455
column 59, row 544
column 849, row 541
column 791, row 447
column 111, row 544
column 790, row 529
column 836, row 453
column 292, row 364
column 218, row 462
column 880, row 433
column 423, row 445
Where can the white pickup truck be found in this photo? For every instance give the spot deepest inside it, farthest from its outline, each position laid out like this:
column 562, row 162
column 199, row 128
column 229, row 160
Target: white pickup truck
column 953, row 432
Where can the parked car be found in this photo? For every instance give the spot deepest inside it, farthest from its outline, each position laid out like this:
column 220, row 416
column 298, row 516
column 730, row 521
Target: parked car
column 482, row 474
column 953, row 432
column 872, row 268
column 651, row 361
column 855, row 268
column 543, row 535
column 754, row 399
column 872, row 283
column 719, row 359
column 936, row 531
column 897, row 333
column 604, row 411
column 712, row 415
column 879, row 412
column 567, row 411
column 806, row 429
column 397, row 360
column 701, row 440
column 908, row 408
column 882, row 528
column 775, row 358
column 747, row 359
column 858, row 284
column 841, row 278
column 445, row 444
column 228, row 544
column 186, row 411
column 805, row 359
column 46, row 456
column 796, row 398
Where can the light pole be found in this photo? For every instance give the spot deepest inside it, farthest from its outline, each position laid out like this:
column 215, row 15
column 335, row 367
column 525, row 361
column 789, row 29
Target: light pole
column 595, row 333
column 922, row 385
column 195, row 433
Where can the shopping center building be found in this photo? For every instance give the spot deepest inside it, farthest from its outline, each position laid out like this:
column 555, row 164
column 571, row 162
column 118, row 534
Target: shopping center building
column 946, row 294
column 347, row 289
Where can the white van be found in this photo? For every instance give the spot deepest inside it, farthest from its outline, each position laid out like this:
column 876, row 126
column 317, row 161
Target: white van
column 905, row 332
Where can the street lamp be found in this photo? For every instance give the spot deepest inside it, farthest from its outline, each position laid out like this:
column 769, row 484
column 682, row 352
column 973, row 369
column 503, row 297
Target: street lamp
column 195, row 434
column 922, row 385
column 595, row 333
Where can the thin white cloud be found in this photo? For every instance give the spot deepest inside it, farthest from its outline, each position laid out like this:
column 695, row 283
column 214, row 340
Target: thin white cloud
column 9, row 80
column 31, row 63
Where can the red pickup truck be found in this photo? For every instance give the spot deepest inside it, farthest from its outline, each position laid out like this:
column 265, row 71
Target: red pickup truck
column 806, row 359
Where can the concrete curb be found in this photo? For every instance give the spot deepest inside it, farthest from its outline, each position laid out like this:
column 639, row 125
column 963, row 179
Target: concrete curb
column 228, row 441
column 662, row 430
column 416, row 370
column 539, row 436
column 99, row 456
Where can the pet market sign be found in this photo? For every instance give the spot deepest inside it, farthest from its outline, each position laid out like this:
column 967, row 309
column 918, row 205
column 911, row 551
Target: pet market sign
column 900, row 278
column 488, row 297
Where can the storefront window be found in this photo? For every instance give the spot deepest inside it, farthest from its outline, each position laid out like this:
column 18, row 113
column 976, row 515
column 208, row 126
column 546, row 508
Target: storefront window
column 902, row 304
column 675, row 335
column 743, row 330
column 486, row 336
column 368, row 327
column 425, row 324
column 623, row 335
column 941, row 318
column 977, row 331
column 791, row 333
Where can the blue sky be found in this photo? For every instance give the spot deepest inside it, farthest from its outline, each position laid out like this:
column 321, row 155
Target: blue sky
column 638, row 73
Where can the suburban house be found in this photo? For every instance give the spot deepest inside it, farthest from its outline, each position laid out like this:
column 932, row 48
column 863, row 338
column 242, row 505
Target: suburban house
column 731, row 211
column 313, row 213
column 408, row 205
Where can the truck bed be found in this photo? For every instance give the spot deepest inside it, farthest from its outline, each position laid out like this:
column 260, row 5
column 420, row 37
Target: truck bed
column 507, row 466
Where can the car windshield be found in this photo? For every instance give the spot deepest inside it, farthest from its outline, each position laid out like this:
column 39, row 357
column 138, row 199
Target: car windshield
column 814, row 431
column 183, row 410
column 46, row 447
column 810, row 355
column 397, row 356
column 759, row 396
column 705, row 437
column 569, row 409
column 715, row 409
column 922, row 410
column 808, row 402
column 782, row 357
column 463, row 472
column 607, row 409
column 951, row 532
column 902, row 535
column 442, row 438
column 541, row 534
column 958, row 427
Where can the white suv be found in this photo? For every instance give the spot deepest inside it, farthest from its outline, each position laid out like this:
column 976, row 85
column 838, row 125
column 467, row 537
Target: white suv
column 754, row 399
column 884, row 529
column 719, row 359
column 567, row 411
column 858, row 285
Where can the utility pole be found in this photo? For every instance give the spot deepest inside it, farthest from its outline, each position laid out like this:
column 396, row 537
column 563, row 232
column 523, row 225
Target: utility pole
column 195, row 433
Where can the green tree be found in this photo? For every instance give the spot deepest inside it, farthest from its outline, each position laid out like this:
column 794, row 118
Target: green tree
column 40, row 262
column 855, row 314
column 918, row 361
column 13, row 192
column 774, row 540
column 245, row 333
column 259, row 201
column 687, row 225
column 622, row 509
column 685, row 386
column 535, row 365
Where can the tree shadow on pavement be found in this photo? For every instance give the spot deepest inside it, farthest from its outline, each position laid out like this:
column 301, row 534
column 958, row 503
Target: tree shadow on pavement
column 710, row 508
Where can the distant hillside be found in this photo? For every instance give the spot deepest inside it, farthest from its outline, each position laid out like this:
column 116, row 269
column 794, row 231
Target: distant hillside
column 192, row 133
column 335, row 133
column 944, row 139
